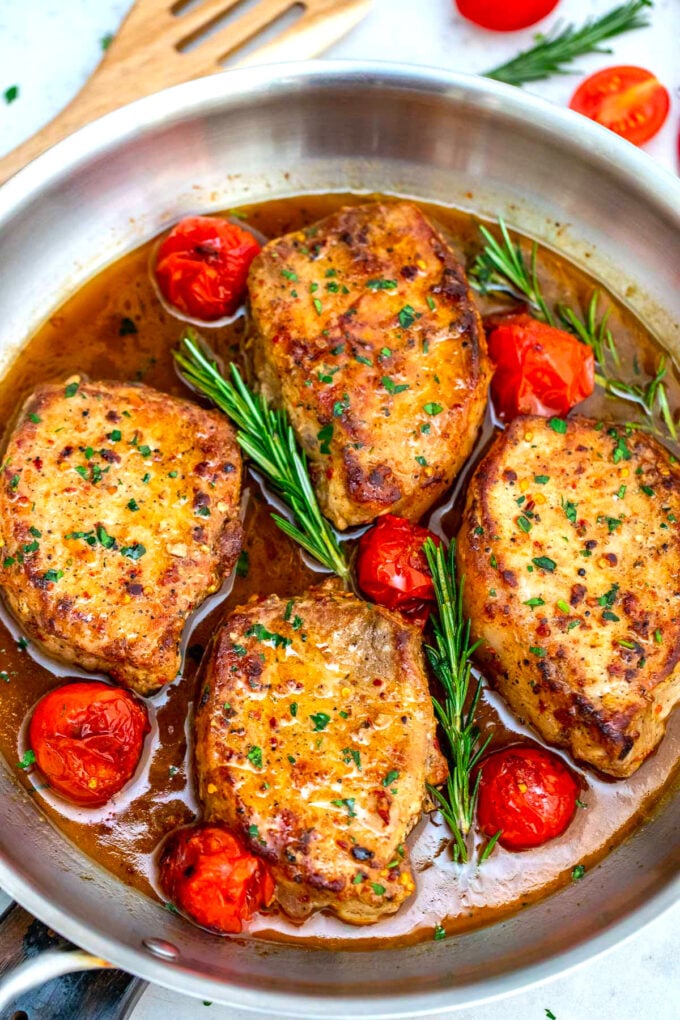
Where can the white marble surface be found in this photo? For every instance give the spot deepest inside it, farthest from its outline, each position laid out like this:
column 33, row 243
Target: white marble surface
column 48, row 47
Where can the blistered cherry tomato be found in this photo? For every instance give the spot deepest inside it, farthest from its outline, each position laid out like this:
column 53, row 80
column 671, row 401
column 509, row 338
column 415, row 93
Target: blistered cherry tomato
column 87, row 739
column 505, row 15
column 202, row 266
column 209, row 875
column 392, row 569
column 528, row 794
column 539, row 369
column 628, row 100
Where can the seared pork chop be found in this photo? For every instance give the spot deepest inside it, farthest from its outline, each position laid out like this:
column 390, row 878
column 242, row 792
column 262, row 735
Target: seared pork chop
column 571, row 554
column 119, row 513
column 366, row 333
column 314, row 739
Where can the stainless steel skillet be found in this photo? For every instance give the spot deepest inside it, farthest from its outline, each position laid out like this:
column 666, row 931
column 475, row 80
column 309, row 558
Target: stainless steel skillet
column 256, row 134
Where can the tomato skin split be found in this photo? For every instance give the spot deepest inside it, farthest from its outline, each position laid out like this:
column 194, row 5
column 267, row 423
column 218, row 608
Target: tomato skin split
column 505, row 15
column 202, row 266
column 210, row 876
column 87, row 739
column 628, row 100
column 392, row 569
column 528, row 794
column 539, row 369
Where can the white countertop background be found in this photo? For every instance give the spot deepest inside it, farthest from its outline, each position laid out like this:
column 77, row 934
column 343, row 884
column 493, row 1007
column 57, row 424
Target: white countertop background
column 48, row 48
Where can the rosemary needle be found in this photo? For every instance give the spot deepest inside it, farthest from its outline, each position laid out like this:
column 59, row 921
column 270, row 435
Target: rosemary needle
column 267, row 438
column 553, row 53
column 451, row 659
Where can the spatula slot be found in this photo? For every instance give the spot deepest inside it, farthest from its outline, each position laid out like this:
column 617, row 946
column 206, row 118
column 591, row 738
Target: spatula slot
column 284, row 21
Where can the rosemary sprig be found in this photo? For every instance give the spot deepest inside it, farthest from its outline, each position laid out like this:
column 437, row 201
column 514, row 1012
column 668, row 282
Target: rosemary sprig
column 502, row 267
column 554, row 52
column 451, row 661
column 267, row 438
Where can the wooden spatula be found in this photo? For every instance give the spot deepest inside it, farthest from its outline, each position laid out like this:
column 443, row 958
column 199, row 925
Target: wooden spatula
column 165, row 42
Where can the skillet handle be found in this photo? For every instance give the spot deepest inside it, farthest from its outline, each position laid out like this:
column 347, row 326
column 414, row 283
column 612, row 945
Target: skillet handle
column 37, row 976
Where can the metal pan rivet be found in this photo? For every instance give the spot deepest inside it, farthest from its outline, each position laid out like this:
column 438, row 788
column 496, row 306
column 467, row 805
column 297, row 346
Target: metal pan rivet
column 159, row 947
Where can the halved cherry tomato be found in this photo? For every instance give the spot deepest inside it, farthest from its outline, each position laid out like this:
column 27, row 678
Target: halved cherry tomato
column 539, row 369
column 527, row 793
column 202, row 266
column 209, row 875
column 628, row 100
column 87, row 739
column 392, row 569
column 505, row 15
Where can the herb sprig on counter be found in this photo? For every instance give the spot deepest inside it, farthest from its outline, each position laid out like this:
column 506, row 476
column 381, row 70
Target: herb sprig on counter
column 451, row 661
column 501, row 266
column 553, row 53
column 265, row 435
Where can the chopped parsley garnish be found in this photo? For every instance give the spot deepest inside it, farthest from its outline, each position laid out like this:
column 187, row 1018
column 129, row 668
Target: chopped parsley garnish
column 421, row 461
column 431, row 303
column 392, row 387
column 381, row 284
column 203, row 511
column 34, row 531
column 544, row 562
column 348, row 804
column 293, row 708
column 407, row 317
column 352, row 755
column 146, row 478
column 439, row 933
column 535, row 650
column 255, row 756
column 569, row 510
column 289, row 275
column 524, row 523
column 609, row 598
column 106, row 540
column 578, row 872
column 260, row 633
column 563, row 606
column 433, row 409
column 115, row 436
column 426, row 428
column 340, row 406
column 71, row 389
column 132, row 504
column 14, row 481
column 364, row 361
column 541, row 479
column 621, row 451
column 534, row 602
column 11, row 94
column 647, row 489
column 378, row 889
column 253, row 831
column 324, row 436
column 613, row 523
column 612, row 617
column 658, row 637
column 36, row 419
column 133, row 552
column 558, row 425
column 320, row 720
column 28, row 759
column 318, row 306
column 390, row 778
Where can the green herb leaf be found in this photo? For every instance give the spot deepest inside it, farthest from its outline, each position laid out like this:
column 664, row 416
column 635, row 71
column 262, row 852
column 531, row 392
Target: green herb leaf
column 320, row 721
column 254, row 756
column 544, row 563
column 433, row 409
column 28, row 759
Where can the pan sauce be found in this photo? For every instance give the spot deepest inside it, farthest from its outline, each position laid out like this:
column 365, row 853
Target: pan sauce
column 115, row 328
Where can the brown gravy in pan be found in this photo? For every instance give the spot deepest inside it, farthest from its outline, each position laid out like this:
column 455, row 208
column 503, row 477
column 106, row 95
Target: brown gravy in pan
column 115, row 328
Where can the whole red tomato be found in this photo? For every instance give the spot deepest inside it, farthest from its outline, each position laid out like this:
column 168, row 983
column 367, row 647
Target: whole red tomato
column 539, row 369
column 528, row 794
column 209, row 875
column 87, row 739
column 505, row 15
column 392, row 569
column 202, row 266
column 628, row 100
